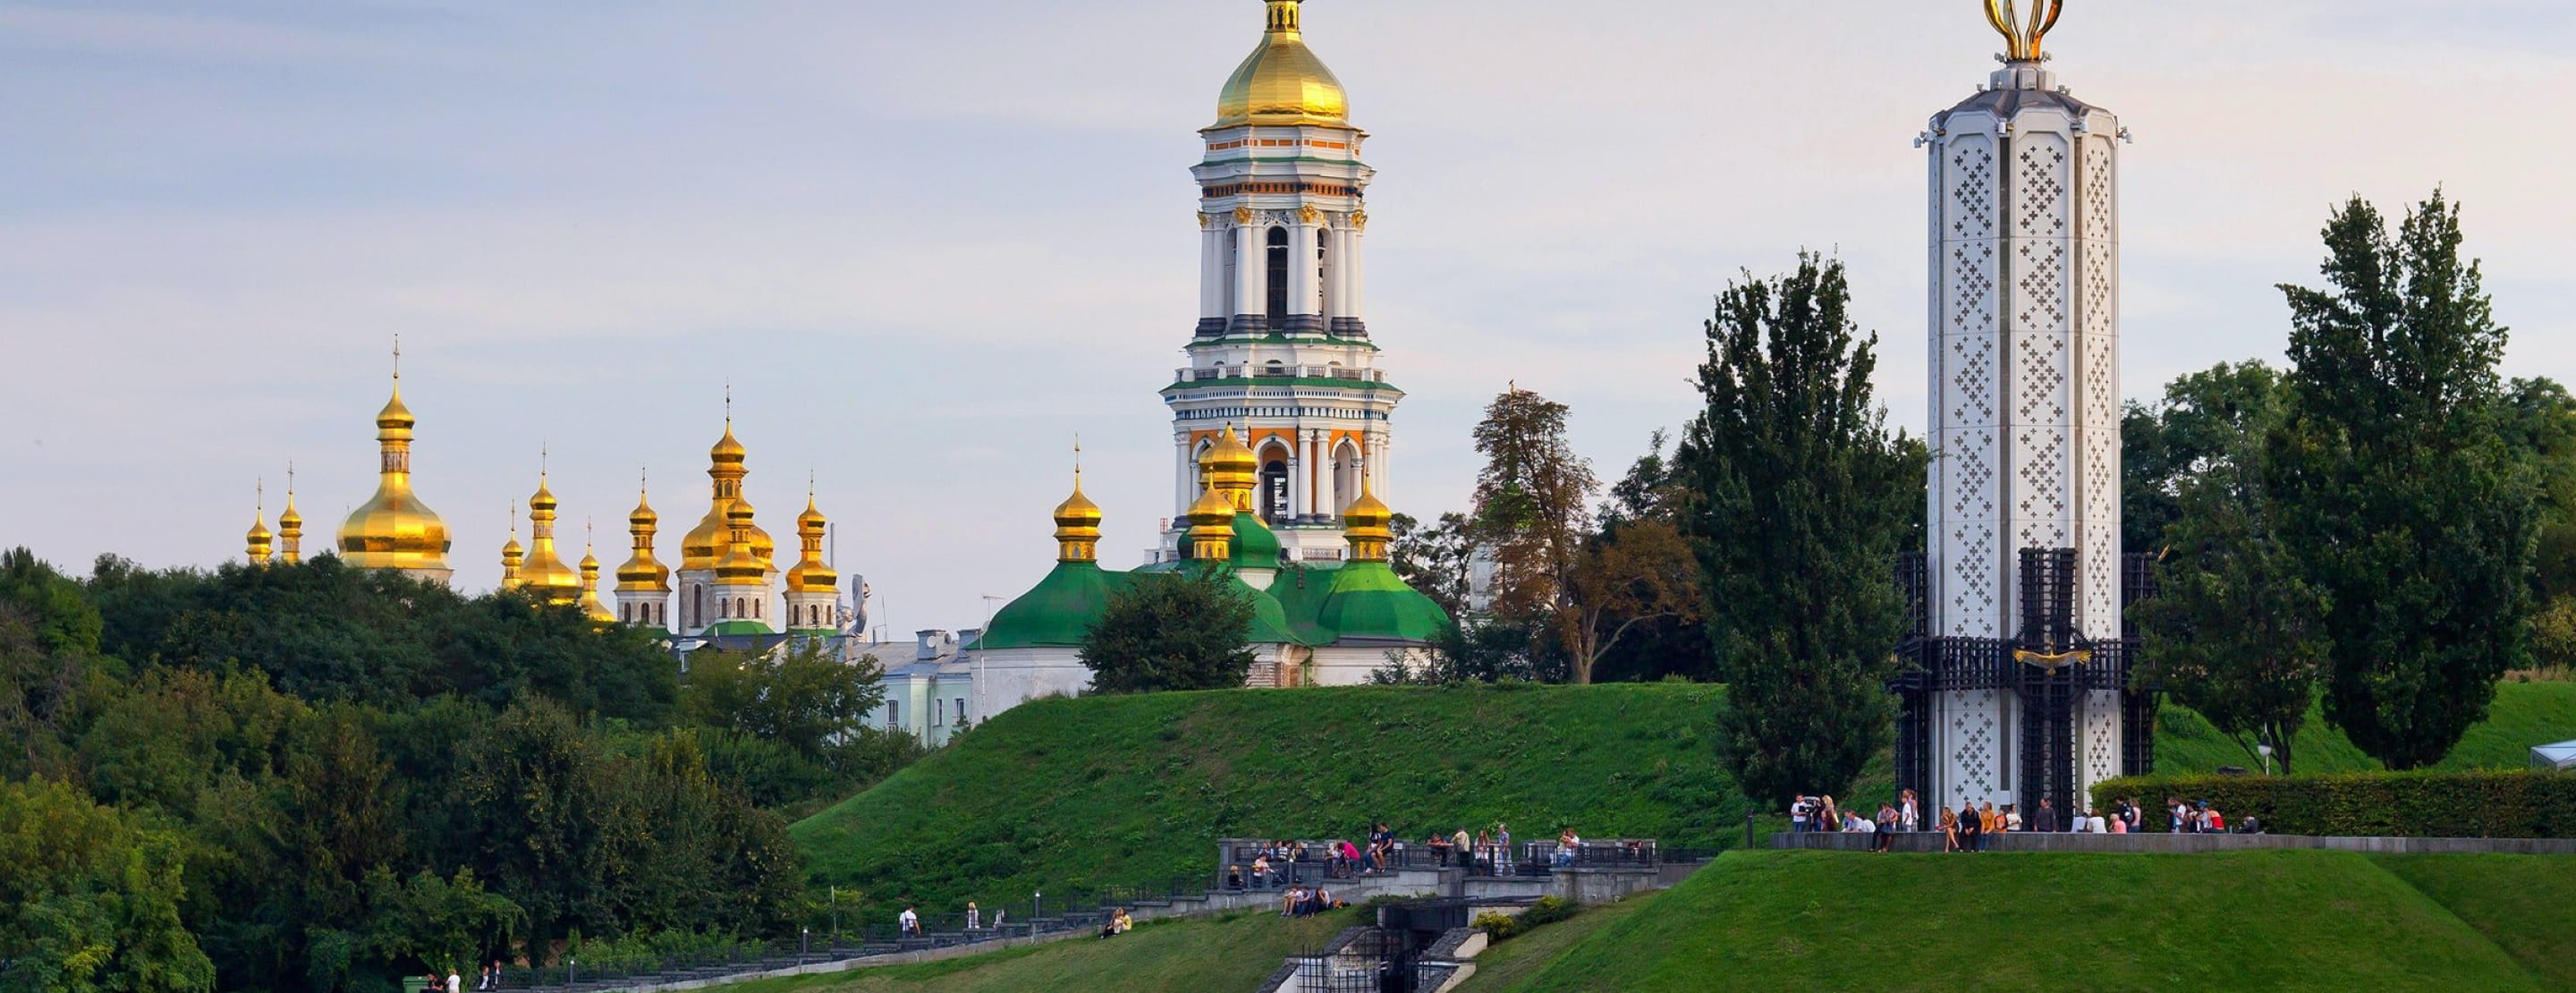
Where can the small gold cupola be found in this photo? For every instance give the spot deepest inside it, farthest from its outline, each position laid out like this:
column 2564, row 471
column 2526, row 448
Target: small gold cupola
column 590, row 605
column 1230, row 467
column 290, row 525
column 1077, row 523
column 512, row 556
column 545, row 574
column 1365, row 525
column 642, row 573
column 1212, row 526
column 739, row 564
column 257, row 541
column 810, row 574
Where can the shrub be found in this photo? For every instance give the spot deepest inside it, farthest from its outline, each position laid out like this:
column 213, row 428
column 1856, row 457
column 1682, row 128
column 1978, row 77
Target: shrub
column 1497, row 927
column 2375, row 804
column 1548, row 910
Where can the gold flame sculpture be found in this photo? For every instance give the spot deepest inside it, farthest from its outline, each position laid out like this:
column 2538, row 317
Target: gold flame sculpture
column 2021, row 40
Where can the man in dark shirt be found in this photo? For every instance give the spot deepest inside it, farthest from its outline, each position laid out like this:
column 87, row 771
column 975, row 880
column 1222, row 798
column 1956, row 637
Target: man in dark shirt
column 2046, row 818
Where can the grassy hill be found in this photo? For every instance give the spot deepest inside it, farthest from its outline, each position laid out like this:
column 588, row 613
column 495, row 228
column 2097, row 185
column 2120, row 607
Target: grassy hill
column 2523, row 715
column 1060, row 793
column 2285, row 920
column 1232, row 953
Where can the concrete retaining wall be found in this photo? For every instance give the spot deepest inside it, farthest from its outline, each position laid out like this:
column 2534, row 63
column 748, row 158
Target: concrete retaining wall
column 2144, row 842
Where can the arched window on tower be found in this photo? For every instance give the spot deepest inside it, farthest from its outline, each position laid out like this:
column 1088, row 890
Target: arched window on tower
column 1278, row 296
column 1274, row 486
column 1324, row 270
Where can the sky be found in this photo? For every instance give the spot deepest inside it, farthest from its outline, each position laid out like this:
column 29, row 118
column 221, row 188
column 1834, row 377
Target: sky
column 930, row 243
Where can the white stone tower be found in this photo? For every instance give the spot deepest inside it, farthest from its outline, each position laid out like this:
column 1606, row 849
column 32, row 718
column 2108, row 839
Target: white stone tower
column 1282, row 345
column 2024, row 668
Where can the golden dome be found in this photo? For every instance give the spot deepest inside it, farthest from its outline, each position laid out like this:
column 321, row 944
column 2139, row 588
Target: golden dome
column 512, row 555
column 642, row 573
column 257, row 539
column 393, row 529
column 810, row 574
column 290, row 526
column 590, row 605
column 1211, row 525
column 705, row 543
column 1230, row 466
column 1077, row 526
column 1282, row 82
column 739, row 561
column 545, row 574
column 1364, row 525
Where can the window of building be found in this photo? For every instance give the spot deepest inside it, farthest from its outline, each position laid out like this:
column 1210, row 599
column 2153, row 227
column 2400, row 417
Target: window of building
column 894, row 714
column 938, row 712
column 1278, row 296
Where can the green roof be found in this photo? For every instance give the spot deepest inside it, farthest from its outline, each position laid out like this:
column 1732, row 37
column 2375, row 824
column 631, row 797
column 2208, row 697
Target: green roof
column 1057, row 611
column 1368, row 600
column 738, row 627
column 1255, row 545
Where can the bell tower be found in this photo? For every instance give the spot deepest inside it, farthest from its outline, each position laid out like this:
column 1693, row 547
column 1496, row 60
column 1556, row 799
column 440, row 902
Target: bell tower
column 1282, row 345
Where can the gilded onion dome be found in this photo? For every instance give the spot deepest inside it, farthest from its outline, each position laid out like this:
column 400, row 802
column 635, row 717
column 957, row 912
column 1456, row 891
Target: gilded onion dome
column 290, row 525
column 704, row 544
column 393, row 529
column 739, row 563
column 1231, row 467
column 512, row 556
column 257, row 540
column 590, row 605
column 810, row 575
column 1212, row 526
column 1282, row 82
column 1077, row 526
column 545, row 575
column 641, row 573
column 1364, row 524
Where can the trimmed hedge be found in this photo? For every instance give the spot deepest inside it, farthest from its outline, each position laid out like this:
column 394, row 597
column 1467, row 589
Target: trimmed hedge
column 2372, row 804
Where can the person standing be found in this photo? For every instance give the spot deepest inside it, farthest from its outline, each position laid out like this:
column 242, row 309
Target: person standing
column 455, row 981
column 1503, row 861
column 1909, row 812
column 1988, row 825
column 2045, row 820
column 910, row 923
column 1798, row 814
column 974, row 917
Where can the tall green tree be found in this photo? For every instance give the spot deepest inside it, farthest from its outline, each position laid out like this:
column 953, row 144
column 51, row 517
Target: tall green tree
column 1796, row 499
column 1532, row 515
column 2235, row 631
column 2202, row 421
column 2406, row 507
column 800, row 695
column 1188, row 630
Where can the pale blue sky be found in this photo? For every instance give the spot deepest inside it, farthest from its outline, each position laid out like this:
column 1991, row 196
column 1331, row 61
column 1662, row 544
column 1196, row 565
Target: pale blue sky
column 929, row 242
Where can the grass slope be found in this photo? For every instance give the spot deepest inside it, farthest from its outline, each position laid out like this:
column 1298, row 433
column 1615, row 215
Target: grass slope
column 2525, row 905
column 1510, row 963
column 1231, row 953
column 2288, row 920
column 2523, row 715
column 1063, row 793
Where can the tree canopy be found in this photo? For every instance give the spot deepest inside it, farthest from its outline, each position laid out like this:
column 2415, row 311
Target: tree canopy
column 1184, row 630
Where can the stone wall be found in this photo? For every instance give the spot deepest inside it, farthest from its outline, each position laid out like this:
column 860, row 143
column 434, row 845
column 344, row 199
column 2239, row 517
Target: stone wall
column 2026, row 841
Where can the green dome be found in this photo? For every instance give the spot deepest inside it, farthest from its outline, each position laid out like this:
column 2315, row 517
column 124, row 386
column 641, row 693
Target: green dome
column 1057, row 611
column 1255, row 546
column 1368, row 600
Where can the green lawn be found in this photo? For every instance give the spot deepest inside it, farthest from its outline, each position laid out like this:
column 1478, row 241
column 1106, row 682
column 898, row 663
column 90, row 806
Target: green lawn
column 1063, row 793
column 2524, row 904
column 2289, row 920
column 1224, row 954
column 1506, row 965
column 2523, row 715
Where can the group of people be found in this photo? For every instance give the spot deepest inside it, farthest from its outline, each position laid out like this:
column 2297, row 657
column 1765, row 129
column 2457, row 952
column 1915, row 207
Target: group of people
column 1973, row 828
column 1307, row 901
column 487, row 979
